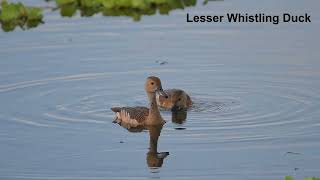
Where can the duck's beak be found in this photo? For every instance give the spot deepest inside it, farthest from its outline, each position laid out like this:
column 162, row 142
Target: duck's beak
column 161, row 92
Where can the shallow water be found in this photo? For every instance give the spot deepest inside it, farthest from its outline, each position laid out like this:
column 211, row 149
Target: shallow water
column 255, row 88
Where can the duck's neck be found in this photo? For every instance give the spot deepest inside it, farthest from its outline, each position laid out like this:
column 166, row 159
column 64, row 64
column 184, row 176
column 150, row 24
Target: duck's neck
column 154, row 113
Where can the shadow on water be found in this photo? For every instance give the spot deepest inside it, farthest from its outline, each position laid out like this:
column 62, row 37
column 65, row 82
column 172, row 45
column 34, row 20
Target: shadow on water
column 17, row 14
column 154, row 158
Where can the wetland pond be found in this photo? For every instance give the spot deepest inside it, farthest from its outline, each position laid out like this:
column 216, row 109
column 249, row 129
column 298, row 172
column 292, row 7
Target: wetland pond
column 255, row 89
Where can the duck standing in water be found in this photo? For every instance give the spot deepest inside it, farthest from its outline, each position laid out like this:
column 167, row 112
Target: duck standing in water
column 139, row 115
column 177, row 100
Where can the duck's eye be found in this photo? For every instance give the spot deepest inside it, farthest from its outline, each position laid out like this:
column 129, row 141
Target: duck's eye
column 179, row 99
column 152, row 83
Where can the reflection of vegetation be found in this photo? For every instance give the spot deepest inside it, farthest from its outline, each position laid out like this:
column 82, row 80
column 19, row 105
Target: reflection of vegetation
column 16, row 14
column 131, row 8
column 307, row 178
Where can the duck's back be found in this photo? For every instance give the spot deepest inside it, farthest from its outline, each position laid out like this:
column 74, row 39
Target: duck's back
column 132, row 115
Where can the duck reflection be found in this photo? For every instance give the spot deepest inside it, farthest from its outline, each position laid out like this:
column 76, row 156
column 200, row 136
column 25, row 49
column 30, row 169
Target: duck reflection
column 154, row 158
column 179, row 116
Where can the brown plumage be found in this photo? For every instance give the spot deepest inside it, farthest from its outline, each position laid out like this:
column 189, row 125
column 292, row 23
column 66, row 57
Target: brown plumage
column 139, row 115
column 131, row 115
column 177, row 100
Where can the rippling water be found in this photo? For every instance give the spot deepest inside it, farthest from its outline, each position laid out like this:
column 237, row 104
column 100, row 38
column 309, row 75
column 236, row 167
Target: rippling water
column 255, row 89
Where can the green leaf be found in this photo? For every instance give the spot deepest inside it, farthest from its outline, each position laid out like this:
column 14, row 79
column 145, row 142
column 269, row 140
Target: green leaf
column 9, row 12
column 190, row 2
column 8, row 26
column 68, row 10
column 140, row 4
column 90, row 3
column 64, row 2
column 34, row 13
column 109, row 4
column 289, row 178
column 311, row 178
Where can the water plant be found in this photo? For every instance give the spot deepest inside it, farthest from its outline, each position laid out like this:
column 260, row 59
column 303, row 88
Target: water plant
column 307, row 178
column 16, row 14
column 131, row 8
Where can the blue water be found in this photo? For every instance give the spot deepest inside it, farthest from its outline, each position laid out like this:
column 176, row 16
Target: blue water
column 255, row 89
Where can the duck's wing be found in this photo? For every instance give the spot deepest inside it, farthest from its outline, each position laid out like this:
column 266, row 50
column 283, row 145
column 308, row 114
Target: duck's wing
column 132, row 115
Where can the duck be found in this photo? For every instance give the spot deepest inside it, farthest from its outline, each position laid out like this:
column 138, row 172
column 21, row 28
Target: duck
column 177, row 100
column 140, row 115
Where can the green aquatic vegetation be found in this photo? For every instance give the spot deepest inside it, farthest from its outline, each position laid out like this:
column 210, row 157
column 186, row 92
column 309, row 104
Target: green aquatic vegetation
column 289, row 178
column 307, row 178
column 311, row 178
column 25, row 17
column 131, row 8
column 16, row 14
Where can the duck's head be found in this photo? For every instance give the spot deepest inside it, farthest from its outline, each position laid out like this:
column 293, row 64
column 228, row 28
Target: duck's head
column 179, row 100
column 153, row 85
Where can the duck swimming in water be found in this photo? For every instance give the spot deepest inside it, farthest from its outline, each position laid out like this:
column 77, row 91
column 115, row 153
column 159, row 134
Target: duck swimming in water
column 177, row 100
column 139, row 115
